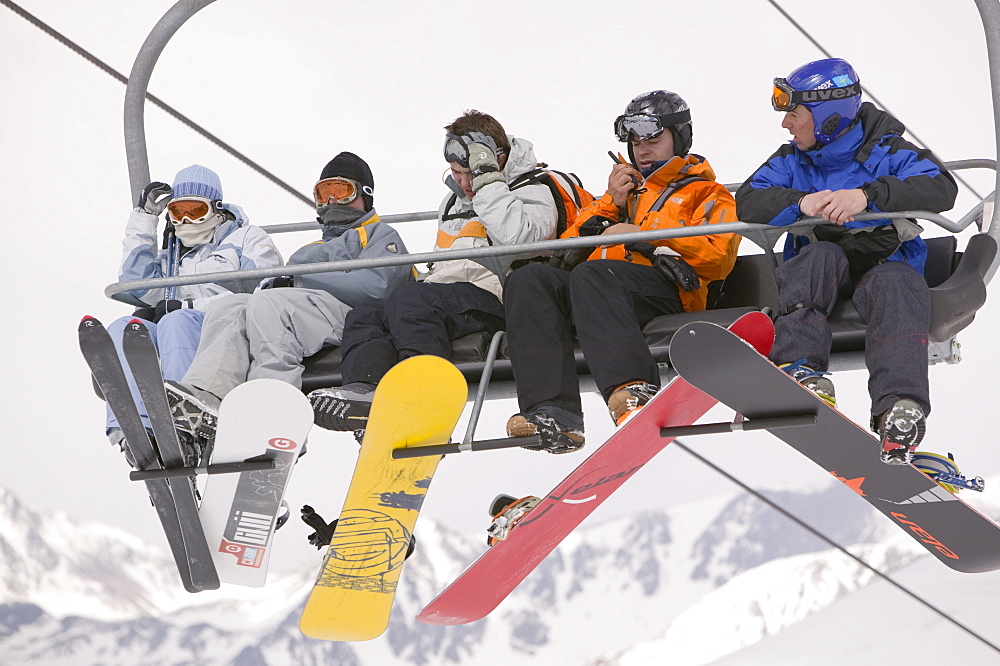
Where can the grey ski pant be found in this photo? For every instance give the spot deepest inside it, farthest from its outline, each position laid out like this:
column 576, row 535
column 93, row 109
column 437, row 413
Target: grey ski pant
column 892, row 299
column 264, row 335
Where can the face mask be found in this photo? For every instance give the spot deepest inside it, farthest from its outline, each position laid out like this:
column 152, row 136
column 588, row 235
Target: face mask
column 648, row 171
column 336, row 219
column 197, row 233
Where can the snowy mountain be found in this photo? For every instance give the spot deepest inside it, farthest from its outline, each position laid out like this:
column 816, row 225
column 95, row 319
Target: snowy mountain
column 657, row 583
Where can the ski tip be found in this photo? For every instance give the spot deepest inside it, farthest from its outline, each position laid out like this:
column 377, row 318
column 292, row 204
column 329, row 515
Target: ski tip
column 88, row 319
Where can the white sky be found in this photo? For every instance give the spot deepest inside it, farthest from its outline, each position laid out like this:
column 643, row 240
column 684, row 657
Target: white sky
column 291, row 84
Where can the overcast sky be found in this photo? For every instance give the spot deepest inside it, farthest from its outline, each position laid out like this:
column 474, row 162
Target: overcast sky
column 291, row 84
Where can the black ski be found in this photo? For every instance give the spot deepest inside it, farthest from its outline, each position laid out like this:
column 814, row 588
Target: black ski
column 140, row 352
column 102, row 357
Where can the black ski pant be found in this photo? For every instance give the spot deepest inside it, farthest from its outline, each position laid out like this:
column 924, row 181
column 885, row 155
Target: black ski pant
column 608, row 302
column 892, row 299
column 417, row 318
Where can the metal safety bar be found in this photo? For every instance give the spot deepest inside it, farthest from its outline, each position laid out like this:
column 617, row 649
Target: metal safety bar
column 484, row 383
column 751, row 231
column 482, row 445
column 762, row 423
column 217, row 468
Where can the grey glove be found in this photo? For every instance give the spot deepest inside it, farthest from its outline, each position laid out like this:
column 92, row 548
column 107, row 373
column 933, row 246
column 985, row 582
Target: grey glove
column 154, row 198
column 483, row 161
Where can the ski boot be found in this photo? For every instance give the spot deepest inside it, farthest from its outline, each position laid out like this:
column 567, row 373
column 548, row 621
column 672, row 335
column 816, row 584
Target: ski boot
column 812, row 379
column 195, row 412
column 944, row 471
column 900, row 429
column 556, row 438
column 507, row 511
column 629, row 398
column 324, row 531
column 342, row 408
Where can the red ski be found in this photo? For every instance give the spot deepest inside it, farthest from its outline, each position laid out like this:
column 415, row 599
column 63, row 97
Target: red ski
column 499, row 570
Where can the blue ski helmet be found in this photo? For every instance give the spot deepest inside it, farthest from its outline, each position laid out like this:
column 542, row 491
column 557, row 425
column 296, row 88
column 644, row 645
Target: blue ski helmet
column 829, row 88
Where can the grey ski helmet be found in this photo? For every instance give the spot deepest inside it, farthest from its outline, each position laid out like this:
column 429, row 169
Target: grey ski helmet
column 648, row 114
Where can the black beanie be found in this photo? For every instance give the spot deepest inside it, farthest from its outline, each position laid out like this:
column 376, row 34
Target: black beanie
column 349, row 165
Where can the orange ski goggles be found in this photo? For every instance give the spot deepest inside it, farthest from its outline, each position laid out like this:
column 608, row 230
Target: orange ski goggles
column 194, row 210
column 337, row 190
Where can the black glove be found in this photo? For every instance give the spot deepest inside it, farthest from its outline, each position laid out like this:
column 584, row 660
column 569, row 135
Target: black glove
column 165, row 306
column 677, row 270
column 595, row 226
column 324, row 532
column 673, row 267
column 147, row 313
column 154, row 198
column 277, row 282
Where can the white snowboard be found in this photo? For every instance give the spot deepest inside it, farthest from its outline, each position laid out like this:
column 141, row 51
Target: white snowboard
column 264, row 418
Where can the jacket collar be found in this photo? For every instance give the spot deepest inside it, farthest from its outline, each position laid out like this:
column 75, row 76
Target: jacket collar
column 681, row 167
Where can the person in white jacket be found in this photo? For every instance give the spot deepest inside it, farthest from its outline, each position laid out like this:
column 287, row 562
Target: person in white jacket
column 459, row 296
column 203, row 235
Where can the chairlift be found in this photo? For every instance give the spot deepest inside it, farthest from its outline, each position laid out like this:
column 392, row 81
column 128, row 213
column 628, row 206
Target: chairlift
column 957, row 279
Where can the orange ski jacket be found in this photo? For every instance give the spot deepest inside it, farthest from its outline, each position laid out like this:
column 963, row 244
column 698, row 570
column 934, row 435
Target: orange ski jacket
column 699, row 202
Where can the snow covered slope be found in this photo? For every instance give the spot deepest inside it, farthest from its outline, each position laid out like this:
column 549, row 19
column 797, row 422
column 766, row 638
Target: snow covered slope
column 694, row 582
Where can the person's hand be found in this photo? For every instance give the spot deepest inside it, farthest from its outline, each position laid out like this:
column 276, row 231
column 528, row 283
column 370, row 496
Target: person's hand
column 483, row 160
column 621, row 228
column 595, row 226
column 154, row 198
column 678, row 270
column 277, row 282
column 623, row 179
column 838, row 206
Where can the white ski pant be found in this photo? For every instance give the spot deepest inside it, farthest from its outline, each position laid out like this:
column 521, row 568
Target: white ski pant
column 264, row 335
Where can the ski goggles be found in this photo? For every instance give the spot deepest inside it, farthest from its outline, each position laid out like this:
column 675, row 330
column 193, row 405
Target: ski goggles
column 194, row 210
column 338, row 190
column 786, row 98
column 456, row 149
column 644, row 126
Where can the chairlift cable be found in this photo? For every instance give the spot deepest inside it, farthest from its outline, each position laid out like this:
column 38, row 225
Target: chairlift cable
column 108, row 69
column 834, row 544
column 868, row 92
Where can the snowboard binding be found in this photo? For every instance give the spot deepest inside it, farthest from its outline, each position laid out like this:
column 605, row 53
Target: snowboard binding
column 324, row 531
column 507, row 511
column 944, row 471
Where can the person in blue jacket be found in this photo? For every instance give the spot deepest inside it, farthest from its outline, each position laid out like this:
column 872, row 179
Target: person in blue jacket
column 267, row 334
column 203, row 235
column 847, row 157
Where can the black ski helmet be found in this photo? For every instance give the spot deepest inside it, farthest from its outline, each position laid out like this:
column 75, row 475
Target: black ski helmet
column 669, row 110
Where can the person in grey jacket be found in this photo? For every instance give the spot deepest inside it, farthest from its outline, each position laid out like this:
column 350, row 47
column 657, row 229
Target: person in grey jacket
column 204, row 235
column 267, row 334
column 457, row 297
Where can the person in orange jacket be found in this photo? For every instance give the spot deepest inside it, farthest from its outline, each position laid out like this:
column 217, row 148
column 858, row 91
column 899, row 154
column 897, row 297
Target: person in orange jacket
column 620, row 287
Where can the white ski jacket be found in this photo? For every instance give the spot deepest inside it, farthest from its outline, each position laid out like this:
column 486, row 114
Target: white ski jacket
column 236, row 245
column 497, row 215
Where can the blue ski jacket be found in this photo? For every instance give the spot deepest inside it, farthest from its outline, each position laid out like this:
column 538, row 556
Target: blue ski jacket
column 872, row 151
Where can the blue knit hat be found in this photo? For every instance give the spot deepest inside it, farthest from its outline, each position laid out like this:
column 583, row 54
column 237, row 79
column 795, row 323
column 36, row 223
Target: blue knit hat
column 197, row 181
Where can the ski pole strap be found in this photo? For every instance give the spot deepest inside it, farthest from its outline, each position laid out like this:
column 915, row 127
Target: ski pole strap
column 799, row 306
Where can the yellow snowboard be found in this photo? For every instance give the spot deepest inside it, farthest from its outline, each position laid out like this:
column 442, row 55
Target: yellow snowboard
column 417, row 403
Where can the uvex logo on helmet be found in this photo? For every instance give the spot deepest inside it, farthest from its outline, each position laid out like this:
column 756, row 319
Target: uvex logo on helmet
column 826, row 94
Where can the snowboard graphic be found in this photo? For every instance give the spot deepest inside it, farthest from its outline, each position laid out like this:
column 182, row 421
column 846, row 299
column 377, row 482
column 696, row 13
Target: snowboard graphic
column 263, row 419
